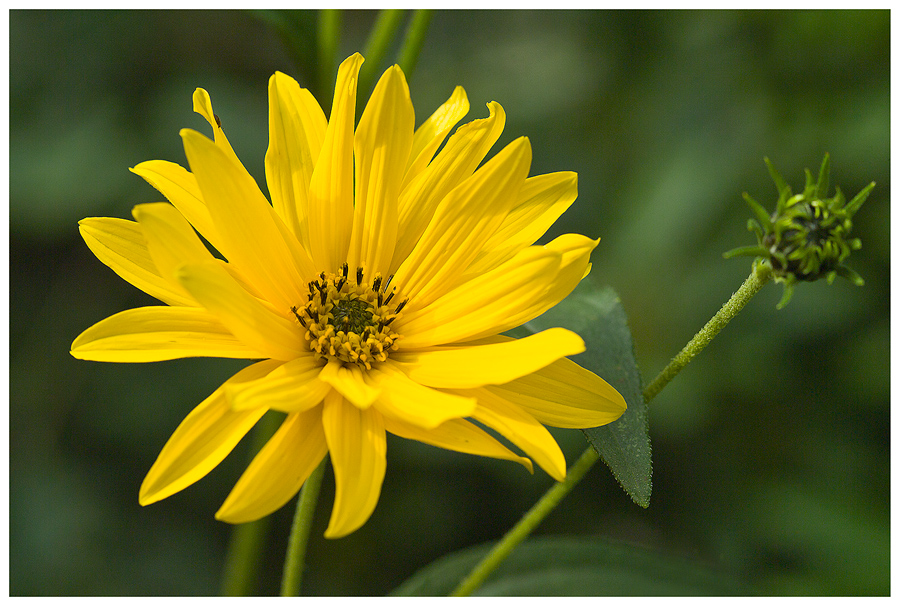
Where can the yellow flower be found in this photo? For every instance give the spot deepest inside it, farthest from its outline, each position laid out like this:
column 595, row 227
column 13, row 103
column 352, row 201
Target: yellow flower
column 372, row 290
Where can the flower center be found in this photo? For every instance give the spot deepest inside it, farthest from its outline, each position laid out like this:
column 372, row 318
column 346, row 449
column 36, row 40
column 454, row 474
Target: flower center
column 811, row 241
column 348, row 319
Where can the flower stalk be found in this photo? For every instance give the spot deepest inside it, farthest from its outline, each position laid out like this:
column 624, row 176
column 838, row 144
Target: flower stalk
column 527, row 524
column 328, row 34
column 300, row 529
column 414, row 40
column 758, row 278
column 245, row 547
column 377, row 45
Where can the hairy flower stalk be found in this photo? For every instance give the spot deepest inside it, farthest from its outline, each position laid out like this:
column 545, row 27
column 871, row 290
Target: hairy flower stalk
column 371, row 293
column 807, row 236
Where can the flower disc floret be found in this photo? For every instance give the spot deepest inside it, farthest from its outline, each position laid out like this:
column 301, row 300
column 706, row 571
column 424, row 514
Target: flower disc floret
column 349, row 320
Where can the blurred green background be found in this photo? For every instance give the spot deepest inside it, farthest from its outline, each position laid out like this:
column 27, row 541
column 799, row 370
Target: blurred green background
column 771, row 451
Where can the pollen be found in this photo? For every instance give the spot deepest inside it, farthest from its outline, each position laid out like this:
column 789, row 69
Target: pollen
column 348, row 319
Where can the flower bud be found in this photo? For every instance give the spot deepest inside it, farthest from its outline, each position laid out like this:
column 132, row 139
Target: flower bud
column 808, row 235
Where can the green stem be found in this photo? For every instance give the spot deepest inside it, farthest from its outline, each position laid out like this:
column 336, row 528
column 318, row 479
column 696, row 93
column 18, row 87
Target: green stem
column 529, row 522
column 243, row 559
column 296, row 553
column 327, row 37
column 415, row 39
column 754, row 282
column 244, row 554
column 377, row 45
column 757, row 279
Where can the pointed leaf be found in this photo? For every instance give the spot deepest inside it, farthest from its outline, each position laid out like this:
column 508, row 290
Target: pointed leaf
column 595, row 313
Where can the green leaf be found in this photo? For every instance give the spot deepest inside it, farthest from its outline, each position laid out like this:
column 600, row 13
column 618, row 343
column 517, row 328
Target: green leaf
column 575, row 566
column 596, row 313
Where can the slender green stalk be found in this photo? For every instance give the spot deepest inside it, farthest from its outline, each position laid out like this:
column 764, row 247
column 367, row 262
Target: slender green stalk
column 328, row 35
column 380, row 39
column 244, row 554
column 758, row 278
column 414, row 41
column 243, row 559
column 755, row 281
column 297, row 542
column 529, row 522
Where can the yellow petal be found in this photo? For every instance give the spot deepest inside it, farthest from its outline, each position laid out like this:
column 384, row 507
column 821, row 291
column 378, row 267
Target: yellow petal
column 575, row 251
column 351, row 384
column 458, row 435
column 121, row 246
column 171, row 240
column 521, row 429
column 564, row 394
column 292, row 387
column 153, row 334
column 245, row 316
column 517, row 291
column 456, row 162
column 202, row 440
column 278, row 470
column 550, row 289
column 429, row 136
column 481, row 304
column 331, row 186
column 492, row 364
column 464, row 220
column 356, row 441
column 203, row 106
column 408, row 401
column 296, row 131
column 254, row 238
column 382, row 144
column 181, row 189
column 542, row 200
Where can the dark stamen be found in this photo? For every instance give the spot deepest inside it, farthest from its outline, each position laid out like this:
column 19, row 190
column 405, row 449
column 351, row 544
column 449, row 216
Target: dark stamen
column 359, row 275
column 401, row 306
column 388, row 283
column 345, row 269
column 299, row 317
column 390, row 296
column 376, row 284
